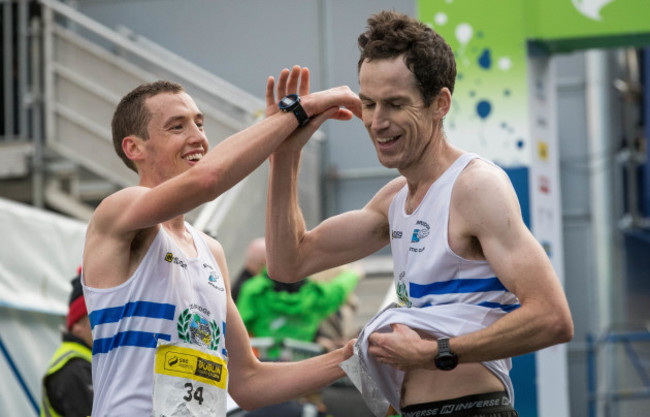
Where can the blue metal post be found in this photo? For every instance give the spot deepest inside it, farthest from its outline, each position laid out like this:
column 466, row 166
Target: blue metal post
column 19, row 377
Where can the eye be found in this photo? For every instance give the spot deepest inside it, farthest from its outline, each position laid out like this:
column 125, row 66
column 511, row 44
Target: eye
column 177, row 127
column 199, row 125
column 368, row 104
column 395, row 105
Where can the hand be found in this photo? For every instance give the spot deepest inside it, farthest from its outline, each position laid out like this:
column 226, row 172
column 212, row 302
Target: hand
column 288, row 83
column 403, row 348
column 296, row 81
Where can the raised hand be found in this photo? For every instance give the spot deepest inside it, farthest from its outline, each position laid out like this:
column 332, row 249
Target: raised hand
column 294, row 81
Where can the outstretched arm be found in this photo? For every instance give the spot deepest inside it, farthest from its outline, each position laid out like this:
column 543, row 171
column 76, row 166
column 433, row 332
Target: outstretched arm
column 137, row 211
column 254, row 384
column 225, row 165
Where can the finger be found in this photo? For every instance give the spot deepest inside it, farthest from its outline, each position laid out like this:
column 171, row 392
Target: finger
column 270, row 96
column 319, row 119
column 342, row 114
column 304, row 82
column 282, row 83
column 397, row 327
column 294, row 77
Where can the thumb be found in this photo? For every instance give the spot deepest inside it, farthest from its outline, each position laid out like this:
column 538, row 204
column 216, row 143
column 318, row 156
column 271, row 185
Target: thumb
column 316, row 121
column 398, row 327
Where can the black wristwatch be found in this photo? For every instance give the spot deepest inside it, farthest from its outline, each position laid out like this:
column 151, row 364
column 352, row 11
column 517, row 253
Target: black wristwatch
column 445, row 360
column 291, row 103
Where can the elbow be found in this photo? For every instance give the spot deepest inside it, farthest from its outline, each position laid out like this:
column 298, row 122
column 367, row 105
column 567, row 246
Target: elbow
column 247, row 404
column 281, row 274
column 245, row 398
column 211, row 180
column 561, row 328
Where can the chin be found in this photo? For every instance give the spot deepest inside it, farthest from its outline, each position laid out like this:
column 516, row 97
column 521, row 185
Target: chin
column 388, row 162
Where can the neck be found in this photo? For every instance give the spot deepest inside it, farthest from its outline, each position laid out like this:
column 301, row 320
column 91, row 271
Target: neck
column 438, row 156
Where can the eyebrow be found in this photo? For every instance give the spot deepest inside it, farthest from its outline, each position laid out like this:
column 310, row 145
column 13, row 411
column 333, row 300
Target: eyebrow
column 174, row 119
column 386, row 99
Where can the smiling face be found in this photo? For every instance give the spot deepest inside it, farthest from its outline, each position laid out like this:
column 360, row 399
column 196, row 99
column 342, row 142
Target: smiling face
column 177, row 140
column 394, row 113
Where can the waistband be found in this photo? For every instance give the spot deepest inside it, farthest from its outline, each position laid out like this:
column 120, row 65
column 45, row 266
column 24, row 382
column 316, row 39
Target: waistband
column 470, row 405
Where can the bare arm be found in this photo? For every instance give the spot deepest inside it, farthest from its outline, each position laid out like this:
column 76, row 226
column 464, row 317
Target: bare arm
column 221, row 168
column 484, row 206
column 129, row 218
column 293, row 252
column 544, row 318
column 255, row 384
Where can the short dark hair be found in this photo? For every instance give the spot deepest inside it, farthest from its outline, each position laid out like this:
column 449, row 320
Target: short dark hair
column 132, row 116
column 427, row 55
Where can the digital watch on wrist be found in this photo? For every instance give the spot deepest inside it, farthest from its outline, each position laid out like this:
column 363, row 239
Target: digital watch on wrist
column 445, row 360
column 291, row 103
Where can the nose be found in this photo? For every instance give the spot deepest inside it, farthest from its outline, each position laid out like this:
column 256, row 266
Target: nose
column 197, row 135
column 379, row 120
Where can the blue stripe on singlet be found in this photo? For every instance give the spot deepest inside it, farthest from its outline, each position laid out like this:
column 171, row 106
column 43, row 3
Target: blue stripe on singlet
column 456, row 286
column 505, row 307
column 138, row 308
column 129, row 338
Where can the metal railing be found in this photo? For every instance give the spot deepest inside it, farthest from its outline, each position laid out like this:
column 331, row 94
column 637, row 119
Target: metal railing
column 610, row 371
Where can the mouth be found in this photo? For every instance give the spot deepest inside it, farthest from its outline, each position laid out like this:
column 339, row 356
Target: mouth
column 193, row 157
column 387, row 140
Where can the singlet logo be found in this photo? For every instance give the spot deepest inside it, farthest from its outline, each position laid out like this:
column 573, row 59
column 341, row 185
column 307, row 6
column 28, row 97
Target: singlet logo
column 420, row 231
column 396, row 234
column 169, row 257
column 214, row 280
column 196, row 329
column 402, row 291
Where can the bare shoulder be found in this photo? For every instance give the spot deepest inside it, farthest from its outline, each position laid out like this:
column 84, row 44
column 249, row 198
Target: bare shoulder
column 112, row 251
column 484, row 199
column 482, row 180
column 112, row 213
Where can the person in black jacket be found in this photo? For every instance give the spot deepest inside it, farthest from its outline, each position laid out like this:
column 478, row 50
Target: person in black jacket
column 67, row 384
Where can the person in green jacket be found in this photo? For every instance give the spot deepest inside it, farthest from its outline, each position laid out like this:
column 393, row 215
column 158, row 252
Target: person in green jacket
column 67, row 383
column 292, row 311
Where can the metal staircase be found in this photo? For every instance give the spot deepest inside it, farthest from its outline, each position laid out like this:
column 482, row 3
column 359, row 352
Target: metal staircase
column 72, row 72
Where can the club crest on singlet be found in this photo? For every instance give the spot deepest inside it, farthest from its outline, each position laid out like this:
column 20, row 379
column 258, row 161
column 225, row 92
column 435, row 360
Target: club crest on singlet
column 402, row 291
column 193, row 327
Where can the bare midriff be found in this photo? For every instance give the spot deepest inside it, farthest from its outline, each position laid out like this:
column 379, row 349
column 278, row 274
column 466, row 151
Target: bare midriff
column 425, row 385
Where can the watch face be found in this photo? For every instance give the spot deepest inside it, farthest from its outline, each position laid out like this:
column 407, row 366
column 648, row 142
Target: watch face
column 446, row 361
column 288, row 101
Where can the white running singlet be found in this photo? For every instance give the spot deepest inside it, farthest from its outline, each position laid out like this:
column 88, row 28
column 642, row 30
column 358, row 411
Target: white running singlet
column 169, row 298
column 439, row 292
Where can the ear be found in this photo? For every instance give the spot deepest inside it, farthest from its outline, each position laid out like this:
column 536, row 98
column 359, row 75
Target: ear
column 133, row 148
column 442, row 102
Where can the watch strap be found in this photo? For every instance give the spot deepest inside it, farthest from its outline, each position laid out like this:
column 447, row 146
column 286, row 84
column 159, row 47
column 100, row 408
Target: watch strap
column 443, row 345
column 300, row 114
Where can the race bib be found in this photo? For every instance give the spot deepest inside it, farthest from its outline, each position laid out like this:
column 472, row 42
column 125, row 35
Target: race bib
column 189, row 380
